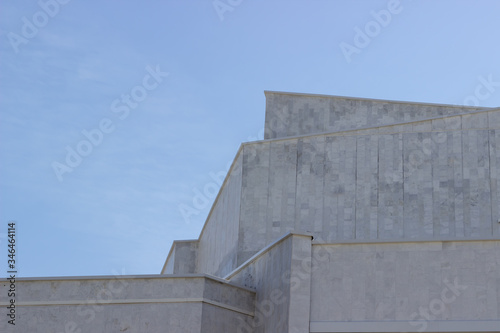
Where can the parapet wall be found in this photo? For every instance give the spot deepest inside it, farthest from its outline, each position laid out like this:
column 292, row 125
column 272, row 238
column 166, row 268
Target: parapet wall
column 293, row 114
column 182, row 258
column 129, row 303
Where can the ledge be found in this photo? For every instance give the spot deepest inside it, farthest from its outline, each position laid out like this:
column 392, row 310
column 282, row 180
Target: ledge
column 270, row 92
column 404, row 241
column 131, row 277
column 406, row 326
column 354, row 131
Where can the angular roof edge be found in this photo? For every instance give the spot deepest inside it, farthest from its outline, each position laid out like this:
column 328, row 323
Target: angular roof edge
column 367, row 128
column 270, row 92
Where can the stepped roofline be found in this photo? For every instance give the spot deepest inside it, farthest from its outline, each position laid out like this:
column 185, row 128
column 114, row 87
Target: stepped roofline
column 294, row 114
column 356, row 119
column 287, row 93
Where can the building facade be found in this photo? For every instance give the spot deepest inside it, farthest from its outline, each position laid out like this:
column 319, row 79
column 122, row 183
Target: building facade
column 352, row 215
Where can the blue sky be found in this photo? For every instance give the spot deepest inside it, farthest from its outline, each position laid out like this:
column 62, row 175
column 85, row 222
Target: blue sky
column 73, row 67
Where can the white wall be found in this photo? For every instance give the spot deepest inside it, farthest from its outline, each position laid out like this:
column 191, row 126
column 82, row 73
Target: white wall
column 281, row 277
column 434, row 179
column 395, row 283
column 134, row 304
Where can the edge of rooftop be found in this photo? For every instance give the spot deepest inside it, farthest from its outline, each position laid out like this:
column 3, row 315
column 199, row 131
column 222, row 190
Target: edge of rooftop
column 300, row 136
column 172, row 249
column 131, row 277
column 272, row 92
column 418, row 240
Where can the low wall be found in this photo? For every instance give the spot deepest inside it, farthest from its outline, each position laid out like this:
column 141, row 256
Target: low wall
column 135, row 304
column 182, row 258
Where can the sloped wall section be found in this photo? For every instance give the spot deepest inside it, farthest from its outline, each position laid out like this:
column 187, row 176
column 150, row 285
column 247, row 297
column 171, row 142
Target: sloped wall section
column 215, row 251
column 218, row 242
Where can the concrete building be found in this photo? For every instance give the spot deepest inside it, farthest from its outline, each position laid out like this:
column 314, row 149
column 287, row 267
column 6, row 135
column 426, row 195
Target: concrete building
column 352, row 215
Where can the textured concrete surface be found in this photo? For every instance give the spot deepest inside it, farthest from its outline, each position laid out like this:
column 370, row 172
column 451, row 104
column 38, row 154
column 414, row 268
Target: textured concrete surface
column 280, row 275
column 182, row 258
column 292, row 114
column 397, row 282
column 219, row 238
column 426, row 180
column 135, row 304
